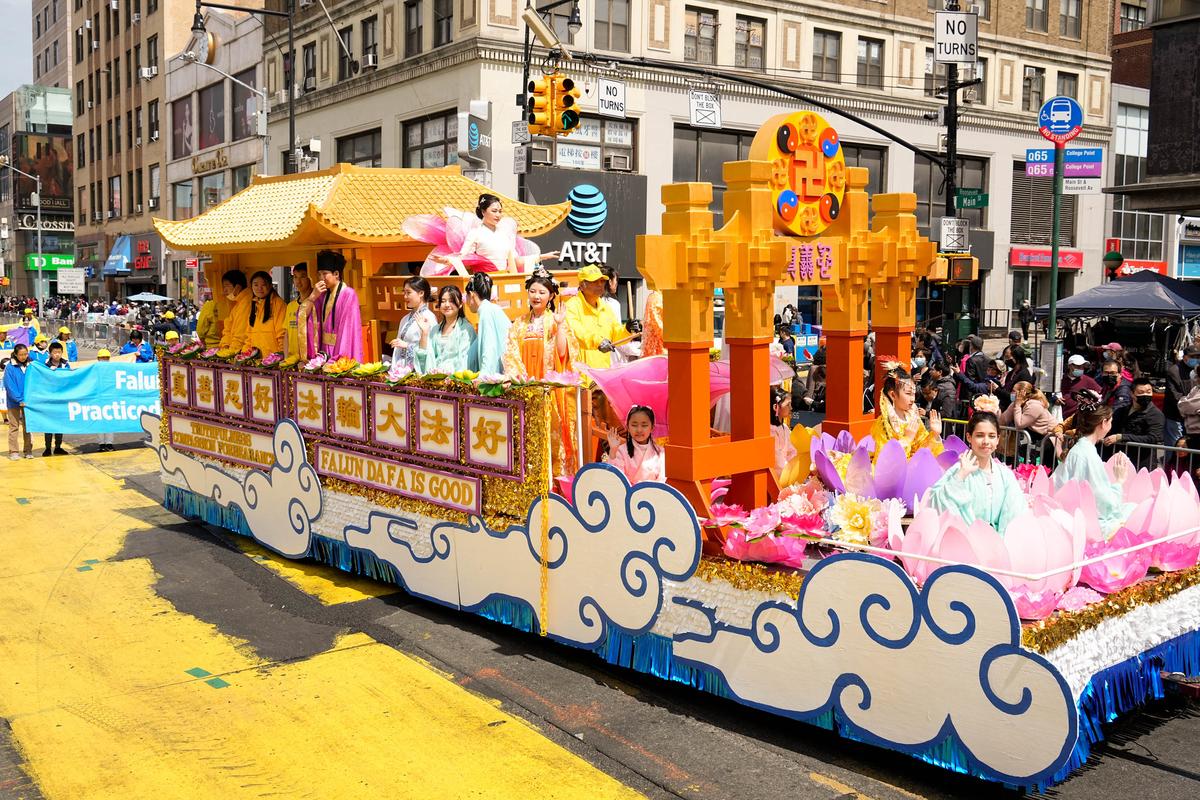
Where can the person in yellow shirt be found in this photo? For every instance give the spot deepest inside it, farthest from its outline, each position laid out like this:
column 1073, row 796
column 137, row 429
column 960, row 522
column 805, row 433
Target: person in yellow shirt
column 208, row 327
column 304, row 286
column 591, row 321
column 265, row 327
column 233, row 331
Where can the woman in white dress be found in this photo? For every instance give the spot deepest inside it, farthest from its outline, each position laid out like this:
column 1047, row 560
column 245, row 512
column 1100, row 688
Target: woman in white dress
column 465, row 244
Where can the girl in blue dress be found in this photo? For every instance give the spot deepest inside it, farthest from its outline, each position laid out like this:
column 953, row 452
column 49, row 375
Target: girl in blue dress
column 979, row 487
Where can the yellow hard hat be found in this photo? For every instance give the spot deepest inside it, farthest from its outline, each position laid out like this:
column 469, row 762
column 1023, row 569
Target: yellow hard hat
column 104, row 354
column 64, row 329
column 172, row 335
column 41, row 337
column 169, row 315
column 590, row 273
column 29, row 312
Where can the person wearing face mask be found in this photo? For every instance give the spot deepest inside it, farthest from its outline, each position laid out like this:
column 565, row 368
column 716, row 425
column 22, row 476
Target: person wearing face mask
column 920, row 366
column 1189, row 408
column 1178, row 374
column 1118, row 394
column 1018, row 371
column 1075, row 379
column 1143, row 425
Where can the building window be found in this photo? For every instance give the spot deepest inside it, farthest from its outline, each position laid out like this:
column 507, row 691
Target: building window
column 79, row 98
column 181, row 128
column 155, row 177
column 80, row 151
column 241, row 177
column 369, row 32
column 597, row 144
column 1069, row 19
column 152, row 52
column 560, row 19
column 308, row 56
column 184, row 202
column 1033, row 89
column 1141, row 234
column 935, row 76
column 1032, row 213
column 700, row 36
column 1068, row 85
column 108, row 139
column 137, row 187
column 431, row 141
column 1035, row 15
column 212, row 190
column 443, row 22
column 345, row 55
column 870, row 63
column 930, row 187
column 612, row 25
column 137, row 123
column 700, row 155
column 1133, row 17
column 151, row 6
column 361, row 149
column 827, row 51
column 245, row 106
column 152, row 119
column 412, row 28
column 130, row 208
column 981, row 74
column 212, row 116
column 114, row 195
column 749, row 42
column 79, row 47
column 129, row 129
column 874, row 159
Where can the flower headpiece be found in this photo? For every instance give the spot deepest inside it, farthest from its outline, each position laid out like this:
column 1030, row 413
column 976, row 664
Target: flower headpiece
column 986, row 402
column 889, row 364
column 1087, row 400
column 541, row 272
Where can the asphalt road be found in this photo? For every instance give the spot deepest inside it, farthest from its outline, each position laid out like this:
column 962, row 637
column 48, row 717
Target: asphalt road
column 658, row 739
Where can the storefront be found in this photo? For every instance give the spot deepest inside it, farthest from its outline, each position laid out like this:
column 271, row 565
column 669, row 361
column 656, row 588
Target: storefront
column 608, row 211
column 1030, row 267
column 1189, row 249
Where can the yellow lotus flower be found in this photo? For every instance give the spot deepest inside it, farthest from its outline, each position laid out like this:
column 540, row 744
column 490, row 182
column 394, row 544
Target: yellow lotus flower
column 852, row 514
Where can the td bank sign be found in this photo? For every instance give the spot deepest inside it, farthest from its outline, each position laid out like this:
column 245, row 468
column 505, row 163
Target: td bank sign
column 34, row 262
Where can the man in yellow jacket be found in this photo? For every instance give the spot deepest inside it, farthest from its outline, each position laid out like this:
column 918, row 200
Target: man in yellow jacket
column 295, row 324
column 591, row 321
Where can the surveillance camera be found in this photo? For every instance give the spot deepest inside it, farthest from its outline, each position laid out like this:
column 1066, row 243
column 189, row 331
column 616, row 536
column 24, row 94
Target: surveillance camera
column 541, row 31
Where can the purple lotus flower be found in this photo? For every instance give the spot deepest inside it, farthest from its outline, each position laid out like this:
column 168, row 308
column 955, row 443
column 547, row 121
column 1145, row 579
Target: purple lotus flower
column 846, row 466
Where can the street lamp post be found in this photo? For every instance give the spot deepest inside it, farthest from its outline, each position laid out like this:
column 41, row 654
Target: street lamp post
column 4, row 162
column 574, row 24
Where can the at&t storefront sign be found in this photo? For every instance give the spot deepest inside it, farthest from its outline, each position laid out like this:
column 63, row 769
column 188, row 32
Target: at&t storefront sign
column 608, row 211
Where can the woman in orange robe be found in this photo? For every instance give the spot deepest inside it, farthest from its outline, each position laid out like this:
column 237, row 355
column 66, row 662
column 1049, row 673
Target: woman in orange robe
column 539, row 343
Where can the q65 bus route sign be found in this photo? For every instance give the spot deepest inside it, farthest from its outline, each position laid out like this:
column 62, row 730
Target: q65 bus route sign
column 1060, row 120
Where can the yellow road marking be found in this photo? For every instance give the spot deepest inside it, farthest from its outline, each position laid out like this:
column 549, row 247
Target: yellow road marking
column 329, row 585
column 96, row 685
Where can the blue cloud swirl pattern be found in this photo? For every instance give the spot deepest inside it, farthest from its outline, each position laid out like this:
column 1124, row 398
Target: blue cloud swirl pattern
column 904, row 668
column 291, row 484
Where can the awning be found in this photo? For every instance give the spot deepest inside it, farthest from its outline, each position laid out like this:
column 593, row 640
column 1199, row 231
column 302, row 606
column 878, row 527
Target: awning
column 119, row 260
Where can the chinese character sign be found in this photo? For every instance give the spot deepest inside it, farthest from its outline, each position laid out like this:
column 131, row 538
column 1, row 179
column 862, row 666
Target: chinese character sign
column 490, row 437
column 390, row 419
column 349, row 418
column 436, row 427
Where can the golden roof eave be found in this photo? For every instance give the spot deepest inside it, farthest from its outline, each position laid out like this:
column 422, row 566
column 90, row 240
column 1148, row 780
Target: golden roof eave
column 342, row 205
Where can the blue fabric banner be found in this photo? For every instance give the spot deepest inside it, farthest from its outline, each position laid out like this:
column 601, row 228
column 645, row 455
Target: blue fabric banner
column 98, row 398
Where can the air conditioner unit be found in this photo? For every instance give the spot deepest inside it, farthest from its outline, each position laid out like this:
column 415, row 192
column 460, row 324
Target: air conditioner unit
column 1030, row 72
column 137, row 209
column 113, row 4
column 153, row 203
column 137, row 142
column 370, row 61
column 95, row 44
column 87, row 23
column 90, row 104
column 112, row 213
column 97, row 216
column 137, row 18
column 306, row 3
column 146, row 73
column 154, row 136
column 310, row 84
column 618, row 163
column 540, row 154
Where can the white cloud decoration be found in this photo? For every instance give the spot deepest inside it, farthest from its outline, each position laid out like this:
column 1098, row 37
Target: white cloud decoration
column 904, row 668
column 290, row 486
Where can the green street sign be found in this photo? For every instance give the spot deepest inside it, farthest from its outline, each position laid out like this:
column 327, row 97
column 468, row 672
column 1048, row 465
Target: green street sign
column 975, row 199
column 48, row 261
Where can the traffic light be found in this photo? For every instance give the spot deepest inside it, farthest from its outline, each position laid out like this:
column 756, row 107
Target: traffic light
column 565, row 99
column 539, row 106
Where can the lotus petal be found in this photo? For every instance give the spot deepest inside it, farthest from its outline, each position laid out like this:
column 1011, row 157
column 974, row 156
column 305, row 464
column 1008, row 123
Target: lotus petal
column 827, row 472
column 891, row 470
column 844, row 443
column 923, row 471
column 1035, row 605
column 953, row 444
column 859, row 479
column 979, row 545
column 1077, row 598
column 1117, row 572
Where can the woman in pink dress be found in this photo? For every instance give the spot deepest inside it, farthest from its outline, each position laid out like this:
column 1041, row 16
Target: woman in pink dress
column 484, row 242
column 335, row 324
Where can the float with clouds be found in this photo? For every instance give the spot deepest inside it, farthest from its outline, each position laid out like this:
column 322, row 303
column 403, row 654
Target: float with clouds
column 984, row 652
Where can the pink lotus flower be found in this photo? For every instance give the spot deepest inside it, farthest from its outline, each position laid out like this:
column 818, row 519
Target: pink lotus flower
column 1078, row 598
column 1118, row 572
column 316, row 363
column 723, row 515
column 564, row 378
column 762, row 521
column 846, row 467
column 740, row 545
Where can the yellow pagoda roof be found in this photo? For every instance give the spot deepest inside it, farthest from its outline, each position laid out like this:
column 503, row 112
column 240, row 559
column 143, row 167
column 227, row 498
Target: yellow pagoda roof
column 340, row 205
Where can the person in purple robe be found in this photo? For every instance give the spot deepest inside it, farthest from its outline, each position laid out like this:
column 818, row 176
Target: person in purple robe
column 335, row 324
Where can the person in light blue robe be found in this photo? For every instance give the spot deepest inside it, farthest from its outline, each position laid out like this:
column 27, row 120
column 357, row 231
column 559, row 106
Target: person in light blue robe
column 1093, row 421
column 447, row 348
column 980, row 487
column 487, row 352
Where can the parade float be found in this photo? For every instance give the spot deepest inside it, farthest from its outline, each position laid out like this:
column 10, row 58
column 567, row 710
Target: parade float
column 877, row 619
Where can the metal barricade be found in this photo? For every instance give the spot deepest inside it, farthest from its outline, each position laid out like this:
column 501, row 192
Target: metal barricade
column 1016, row 444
